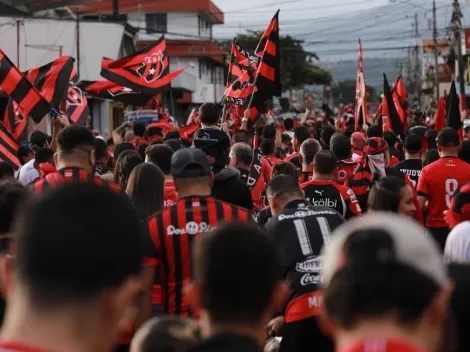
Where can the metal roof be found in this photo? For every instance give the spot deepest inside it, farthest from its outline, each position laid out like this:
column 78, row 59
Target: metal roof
column 32, row 6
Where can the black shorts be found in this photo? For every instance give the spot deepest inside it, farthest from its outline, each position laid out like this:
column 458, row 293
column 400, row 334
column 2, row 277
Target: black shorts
column 305, row 336
column 440, row 235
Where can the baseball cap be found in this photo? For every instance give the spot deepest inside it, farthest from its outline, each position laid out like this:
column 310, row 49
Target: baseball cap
column 448, row 137
column 189, row 163
column 459, row 209
column 413, row 143
column 412, row 246
column 359, row 136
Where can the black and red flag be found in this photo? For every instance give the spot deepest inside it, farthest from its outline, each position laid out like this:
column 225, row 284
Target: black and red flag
column 20, row 89
column 268, row 72
column 360, row 113
column 112, row 91
column 146, row 71
column 8, row 147
column 52, row 80
column 15, row 121
column 453, row 111
column 390, row 119
column 75, row 107
column 440, row 116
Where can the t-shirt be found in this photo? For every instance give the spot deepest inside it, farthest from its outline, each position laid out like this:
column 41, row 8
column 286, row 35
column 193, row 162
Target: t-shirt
column 457, row 249
column 28, row 173
column 438, row 182
column 412, row 168
column 215, row 143
column 169, row 194
column 294, row 159
column 345, row 169
column 332, row 195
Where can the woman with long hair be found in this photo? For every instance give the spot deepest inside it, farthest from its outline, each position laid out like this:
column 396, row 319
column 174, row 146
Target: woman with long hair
column 392, row 194
column 145, row 187
column 125, row 163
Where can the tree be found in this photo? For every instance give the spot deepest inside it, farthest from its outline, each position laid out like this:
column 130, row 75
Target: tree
column 296, row 63
column 345, row 92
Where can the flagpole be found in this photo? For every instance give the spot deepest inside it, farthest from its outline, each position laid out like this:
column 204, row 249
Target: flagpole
column 224, row 107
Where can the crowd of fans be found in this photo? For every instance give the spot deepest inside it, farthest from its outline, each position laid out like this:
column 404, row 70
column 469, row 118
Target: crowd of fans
column 283, row 235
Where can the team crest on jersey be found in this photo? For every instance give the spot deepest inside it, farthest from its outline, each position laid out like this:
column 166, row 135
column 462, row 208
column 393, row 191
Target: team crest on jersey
column 75, row 96
column 152, row 68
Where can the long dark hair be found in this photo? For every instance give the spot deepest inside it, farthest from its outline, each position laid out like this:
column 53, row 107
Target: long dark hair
column 146, row 189
column 126, row 162
column 386, row 194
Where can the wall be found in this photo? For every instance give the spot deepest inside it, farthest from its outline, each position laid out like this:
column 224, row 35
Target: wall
column 54, row 36
column 180, row 25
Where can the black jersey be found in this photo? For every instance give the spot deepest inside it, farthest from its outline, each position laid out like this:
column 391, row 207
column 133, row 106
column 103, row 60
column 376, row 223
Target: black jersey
column 332, row 195
column 411, row 167
column 300, row 232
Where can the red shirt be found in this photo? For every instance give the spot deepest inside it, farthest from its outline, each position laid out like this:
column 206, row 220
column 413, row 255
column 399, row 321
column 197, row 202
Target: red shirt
column 266, row 169
column 169, row 194
column 438, row 182
column 272, row 160
column 345, row 169
column 382, row 345
column 393, row 161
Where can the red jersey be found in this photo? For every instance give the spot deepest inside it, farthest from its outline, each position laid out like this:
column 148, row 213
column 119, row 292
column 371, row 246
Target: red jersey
column 382, row 345
column 173, row 232
column 266, row 168
column 272, row 160
column 169, row 194
column 294, row 159
column 71, row 174
column 438, row 182
column 345, row 169
column 393, row 161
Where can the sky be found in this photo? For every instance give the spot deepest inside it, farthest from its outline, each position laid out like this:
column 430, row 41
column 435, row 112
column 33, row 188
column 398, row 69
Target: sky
column 331, row 28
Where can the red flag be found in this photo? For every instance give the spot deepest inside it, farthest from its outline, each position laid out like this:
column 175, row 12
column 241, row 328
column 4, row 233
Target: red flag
column 8, row 148
column 146, row 71
column 440, row 117
column 76, row 106
column 360, row 113
column 52, row 80
column 390, row 118
column 187, row 131
column 20, row 89
column 112, row 91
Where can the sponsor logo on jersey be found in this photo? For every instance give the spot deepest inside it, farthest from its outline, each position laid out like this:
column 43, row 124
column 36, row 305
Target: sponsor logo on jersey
column 323, row 202
column 411, row 173
column 311, row 279
column 303, row 214
column 312, row 265
column 191, row 228
column 168, row 203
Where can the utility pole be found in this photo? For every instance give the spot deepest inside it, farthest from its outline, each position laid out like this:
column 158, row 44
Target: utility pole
column 436, row 50
column 457, row 24
column 116, row 9
column 417, row 69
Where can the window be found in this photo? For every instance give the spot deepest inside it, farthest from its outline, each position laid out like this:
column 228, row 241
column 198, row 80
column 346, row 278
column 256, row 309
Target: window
column 156, row 22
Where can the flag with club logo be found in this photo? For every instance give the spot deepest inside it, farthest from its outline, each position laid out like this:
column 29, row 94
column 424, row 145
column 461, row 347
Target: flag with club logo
column 146, row 71
column 75, row 107
column 109, row 90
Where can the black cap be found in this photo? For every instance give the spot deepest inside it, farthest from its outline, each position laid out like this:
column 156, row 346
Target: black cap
column 189, row 163
column 413, row 143
column 448, row 137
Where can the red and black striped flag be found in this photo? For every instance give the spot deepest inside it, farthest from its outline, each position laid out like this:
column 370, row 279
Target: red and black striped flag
column 75, row 107
column 112, row 91
column 20, row 89
column 146, row 71
column 360, row 113
column 52, row 80
column 15, row 121
column 390, row 119
column 268, row 73
column 8, row 148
